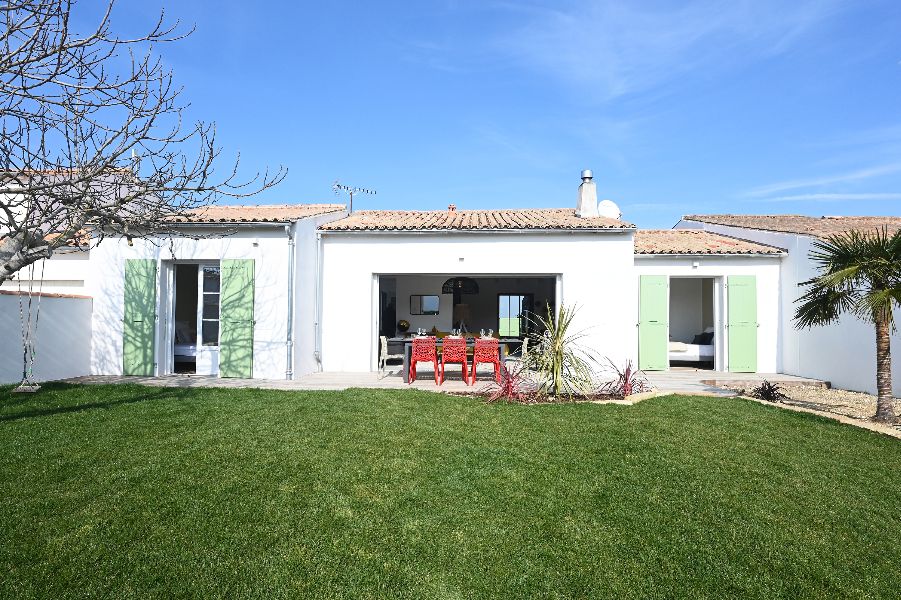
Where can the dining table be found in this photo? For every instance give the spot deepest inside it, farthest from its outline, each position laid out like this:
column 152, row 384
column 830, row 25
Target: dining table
column 470, row 343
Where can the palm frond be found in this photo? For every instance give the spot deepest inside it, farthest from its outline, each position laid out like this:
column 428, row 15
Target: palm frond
column 859, row 274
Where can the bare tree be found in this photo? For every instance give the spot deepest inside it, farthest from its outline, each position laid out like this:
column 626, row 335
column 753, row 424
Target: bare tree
column 93, row 141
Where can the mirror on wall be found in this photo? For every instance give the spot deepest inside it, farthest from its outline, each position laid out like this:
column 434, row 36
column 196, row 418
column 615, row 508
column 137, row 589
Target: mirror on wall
column 423, row 305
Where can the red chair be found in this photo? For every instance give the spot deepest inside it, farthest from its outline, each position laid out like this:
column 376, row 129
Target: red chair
column 486, row 352
column 453, row 350
column 424, row 350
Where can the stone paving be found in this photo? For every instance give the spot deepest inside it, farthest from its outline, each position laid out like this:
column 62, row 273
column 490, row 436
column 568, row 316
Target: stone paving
column 391, row 379
column 676, row 380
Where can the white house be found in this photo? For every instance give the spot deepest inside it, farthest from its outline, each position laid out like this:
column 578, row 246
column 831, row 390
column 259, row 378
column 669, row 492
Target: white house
column 277, row 292
column 221, row 300
column 843, row 353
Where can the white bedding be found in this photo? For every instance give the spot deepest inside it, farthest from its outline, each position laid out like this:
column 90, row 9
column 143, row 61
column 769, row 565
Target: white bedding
column 690, row 352
column 185, row 349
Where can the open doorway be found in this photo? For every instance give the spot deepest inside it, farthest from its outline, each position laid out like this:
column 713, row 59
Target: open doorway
column 185, row 351
column 195, row 312
column 692, row 323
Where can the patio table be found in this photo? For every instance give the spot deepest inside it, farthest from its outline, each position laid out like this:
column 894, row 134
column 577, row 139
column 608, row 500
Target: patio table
column 470, row 343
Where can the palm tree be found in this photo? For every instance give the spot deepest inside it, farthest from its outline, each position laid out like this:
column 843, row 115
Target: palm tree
column 860, row 274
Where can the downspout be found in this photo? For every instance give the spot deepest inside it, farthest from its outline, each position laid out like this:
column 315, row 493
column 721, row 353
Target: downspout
column 289, row 343
column 317, row 301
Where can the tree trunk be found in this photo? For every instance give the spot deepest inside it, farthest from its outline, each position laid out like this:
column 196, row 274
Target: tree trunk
column 884, row 410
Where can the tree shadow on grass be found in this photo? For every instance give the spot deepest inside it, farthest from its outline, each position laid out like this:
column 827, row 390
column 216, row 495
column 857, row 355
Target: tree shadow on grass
column 134, row 395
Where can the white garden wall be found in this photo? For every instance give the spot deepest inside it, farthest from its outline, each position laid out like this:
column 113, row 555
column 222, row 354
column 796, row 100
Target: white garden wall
column 594, row 270
column 843, row 353
column 64, row 273
column 63, row 337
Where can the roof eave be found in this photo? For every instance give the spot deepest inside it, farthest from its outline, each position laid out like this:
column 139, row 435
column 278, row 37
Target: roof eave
column 484, row 230
column 714, row 254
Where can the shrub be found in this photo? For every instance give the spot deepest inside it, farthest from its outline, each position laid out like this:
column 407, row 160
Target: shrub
column 514, row 387
column 628, row 381
column 561, row 366
column 771, row 392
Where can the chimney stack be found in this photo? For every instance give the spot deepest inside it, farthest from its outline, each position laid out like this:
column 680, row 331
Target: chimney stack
column 587, row 203
column 452, row 208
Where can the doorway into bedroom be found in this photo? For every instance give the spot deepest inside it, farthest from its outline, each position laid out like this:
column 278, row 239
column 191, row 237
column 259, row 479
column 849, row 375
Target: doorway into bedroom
column 693, row 338
column 195, row 311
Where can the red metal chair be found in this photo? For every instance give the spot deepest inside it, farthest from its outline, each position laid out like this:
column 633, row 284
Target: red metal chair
column 425, row 349
column 453, row 350
column 486, row 352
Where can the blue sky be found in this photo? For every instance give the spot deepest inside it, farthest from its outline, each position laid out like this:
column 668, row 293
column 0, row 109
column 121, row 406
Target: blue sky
column 690, row 107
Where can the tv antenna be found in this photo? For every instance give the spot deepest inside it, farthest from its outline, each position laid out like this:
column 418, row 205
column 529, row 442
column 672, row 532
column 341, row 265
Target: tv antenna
column 338, row 187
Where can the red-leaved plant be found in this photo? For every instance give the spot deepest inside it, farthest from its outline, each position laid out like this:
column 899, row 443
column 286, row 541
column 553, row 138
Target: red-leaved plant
column 513, row 387
column 628, row 381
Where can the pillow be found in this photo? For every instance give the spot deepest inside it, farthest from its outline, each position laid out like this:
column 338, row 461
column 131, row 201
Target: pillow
column 703, row 339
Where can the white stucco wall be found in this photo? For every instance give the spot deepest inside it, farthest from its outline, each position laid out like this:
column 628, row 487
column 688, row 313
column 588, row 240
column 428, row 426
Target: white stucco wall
column 63, row 336
column 843, row 353
column 64, row 273
column 765, row 269
column 269, row 248
column 306, row 290
column 595, row 272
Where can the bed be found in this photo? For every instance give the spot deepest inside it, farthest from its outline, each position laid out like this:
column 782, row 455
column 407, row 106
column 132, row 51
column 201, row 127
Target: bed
column 691, row 352
column 700, row 350
column 185, row 341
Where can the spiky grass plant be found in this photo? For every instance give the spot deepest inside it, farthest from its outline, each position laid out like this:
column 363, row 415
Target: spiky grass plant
column 562, row 366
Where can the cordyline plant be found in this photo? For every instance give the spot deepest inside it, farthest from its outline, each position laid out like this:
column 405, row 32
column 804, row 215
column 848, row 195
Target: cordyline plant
column 513, row 387
column 628, row 380
column 859, row 274
column 562, row 366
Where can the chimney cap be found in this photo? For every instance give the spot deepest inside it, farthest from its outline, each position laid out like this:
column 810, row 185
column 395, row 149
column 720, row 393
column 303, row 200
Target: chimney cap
column 587, row 174
column 452, row 207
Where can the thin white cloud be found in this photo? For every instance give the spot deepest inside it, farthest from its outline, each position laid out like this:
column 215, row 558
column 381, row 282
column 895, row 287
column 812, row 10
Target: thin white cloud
column 836, row 197
column 608, row 49
column 858, row 175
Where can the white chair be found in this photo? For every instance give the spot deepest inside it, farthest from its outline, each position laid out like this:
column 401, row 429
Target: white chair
column 384, row 357
column 518, row 355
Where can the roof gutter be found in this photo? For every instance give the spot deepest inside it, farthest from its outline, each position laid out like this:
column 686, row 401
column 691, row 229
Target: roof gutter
column 476, row 231
column 710, row 255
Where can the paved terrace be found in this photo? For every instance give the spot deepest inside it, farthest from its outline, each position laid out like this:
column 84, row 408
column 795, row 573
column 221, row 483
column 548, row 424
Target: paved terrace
column 686, row 381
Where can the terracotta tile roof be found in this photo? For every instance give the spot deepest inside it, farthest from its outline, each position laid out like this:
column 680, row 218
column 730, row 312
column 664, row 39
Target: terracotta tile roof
column 471, row 220
column 812, row 226
column 695, row 241
column 260, row 213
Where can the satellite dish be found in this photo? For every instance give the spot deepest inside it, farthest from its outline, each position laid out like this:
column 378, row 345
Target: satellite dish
column 609, row 209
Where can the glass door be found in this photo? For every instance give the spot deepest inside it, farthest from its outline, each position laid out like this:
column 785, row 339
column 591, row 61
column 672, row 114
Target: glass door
column 208, row 320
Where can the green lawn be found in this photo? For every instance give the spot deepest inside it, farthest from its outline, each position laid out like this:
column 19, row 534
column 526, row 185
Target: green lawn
column 128, row 491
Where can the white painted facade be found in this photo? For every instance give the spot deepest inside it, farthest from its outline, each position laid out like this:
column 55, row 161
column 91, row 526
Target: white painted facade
column 593, row 270
column 844, row 352
column 766, row 270
column 268, row 246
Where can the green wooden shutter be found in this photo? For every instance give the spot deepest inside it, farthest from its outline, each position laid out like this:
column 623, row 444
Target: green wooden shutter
column 742, row 302
column 653, row 317
column 236, row 318
column 139, row 328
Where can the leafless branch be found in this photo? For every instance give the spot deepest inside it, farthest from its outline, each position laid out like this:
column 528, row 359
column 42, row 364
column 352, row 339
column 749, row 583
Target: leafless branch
column 93, row 137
